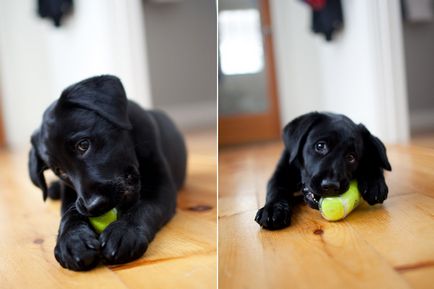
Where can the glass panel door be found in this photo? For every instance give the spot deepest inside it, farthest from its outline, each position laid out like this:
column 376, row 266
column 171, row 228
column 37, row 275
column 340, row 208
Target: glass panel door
column 242, row 79
column 248, row 108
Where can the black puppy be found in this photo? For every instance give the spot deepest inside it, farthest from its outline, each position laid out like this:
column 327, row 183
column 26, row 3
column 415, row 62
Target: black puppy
column 323, row 153
column 108, row 153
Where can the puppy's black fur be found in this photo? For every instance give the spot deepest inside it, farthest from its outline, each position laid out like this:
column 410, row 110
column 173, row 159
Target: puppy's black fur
column 323, row 153
column 108, row 153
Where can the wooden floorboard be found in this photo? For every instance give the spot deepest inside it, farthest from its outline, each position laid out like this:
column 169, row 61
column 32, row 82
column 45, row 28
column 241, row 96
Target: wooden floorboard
column 183, row 255
column 382, row 246
column 388, row 246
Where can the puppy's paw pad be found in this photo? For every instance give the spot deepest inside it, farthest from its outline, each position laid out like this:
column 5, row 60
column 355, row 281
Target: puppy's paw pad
column 122, row 243
column 274, row 216
column 77, row 249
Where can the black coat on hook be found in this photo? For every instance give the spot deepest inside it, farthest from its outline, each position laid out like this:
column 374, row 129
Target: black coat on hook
column 54, row 9
column 327, row 17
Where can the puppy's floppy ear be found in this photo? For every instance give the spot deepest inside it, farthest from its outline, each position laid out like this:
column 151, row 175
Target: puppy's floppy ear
column 295, row 132
column 37, row 167
column 374, row 151
column 103, row 94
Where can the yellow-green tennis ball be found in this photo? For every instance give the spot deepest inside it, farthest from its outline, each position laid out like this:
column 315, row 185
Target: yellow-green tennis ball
column 101, row 222
column 337, row 208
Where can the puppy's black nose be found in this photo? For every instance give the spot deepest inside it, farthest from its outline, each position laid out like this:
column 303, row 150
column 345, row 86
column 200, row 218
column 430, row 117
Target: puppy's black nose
column 96, row 204
column 330, row 186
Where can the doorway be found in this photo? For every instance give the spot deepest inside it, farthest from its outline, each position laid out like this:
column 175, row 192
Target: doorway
column 248, row 108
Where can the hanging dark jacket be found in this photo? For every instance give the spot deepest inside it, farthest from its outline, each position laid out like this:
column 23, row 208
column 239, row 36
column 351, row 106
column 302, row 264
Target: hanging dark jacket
column 54, row 9
column 327, row 17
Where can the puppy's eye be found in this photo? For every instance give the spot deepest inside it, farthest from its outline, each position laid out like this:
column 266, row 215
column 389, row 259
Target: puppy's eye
column 321, row 147
column 82, row 146
column 350, row 158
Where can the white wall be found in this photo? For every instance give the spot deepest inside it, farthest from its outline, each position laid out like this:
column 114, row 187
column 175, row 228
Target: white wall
column 349, row 69
column 297, row 59
column 419, row 57
column 182, row 53
column 359, row 73
column 37, row 60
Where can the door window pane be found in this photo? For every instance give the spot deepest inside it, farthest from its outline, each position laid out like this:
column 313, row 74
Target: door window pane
column 241, row 50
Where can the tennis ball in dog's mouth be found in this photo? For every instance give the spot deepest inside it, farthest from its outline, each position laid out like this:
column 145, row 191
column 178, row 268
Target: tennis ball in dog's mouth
column 337, row 208
column 101, row 222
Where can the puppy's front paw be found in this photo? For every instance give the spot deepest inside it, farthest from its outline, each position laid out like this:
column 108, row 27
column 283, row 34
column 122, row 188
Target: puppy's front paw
column 274, row 216
column 122, row 243
column 77, row 249
column 374, row 192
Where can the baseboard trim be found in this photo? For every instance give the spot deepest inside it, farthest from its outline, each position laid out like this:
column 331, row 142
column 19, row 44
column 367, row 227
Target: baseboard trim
column 192, row 116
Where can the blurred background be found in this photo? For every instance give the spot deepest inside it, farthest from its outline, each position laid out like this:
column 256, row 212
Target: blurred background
column 376, row 66
column 152, row 45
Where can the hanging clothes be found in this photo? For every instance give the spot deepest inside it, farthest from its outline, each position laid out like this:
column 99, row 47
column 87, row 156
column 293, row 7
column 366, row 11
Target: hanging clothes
column 54, row 9
column 327, row 17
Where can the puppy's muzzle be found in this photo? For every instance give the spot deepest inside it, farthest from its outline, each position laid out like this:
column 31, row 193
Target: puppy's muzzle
column 330, row 186
column 94, row 206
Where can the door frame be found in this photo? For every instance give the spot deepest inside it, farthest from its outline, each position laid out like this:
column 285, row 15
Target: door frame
column 252, row 127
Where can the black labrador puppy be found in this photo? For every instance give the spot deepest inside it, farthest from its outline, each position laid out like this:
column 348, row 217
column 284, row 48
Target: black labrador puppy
column 108, row 153
column 323, row 153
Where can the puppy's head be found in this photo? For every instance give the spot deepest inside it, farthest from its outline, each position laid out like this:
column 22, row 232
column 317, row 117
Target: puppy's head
column 84, row 139
column 330, row 150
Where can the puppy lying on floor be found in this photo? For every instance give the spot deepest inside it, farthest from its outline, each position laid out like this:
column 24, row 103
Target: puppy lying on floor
column 323, row 153
column 108, row 153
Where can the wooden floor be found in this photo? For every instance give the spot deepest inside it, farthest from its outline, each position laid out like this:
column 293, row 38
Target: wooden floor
column 384, row 246
column 183, row 255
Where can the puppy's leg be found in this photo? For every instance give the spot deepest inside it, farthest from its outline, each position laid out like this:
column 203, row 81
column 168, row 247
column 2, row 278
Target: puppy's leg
column 373, row 186
column 276, row 214
column 77, row 246
column 127, row 239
